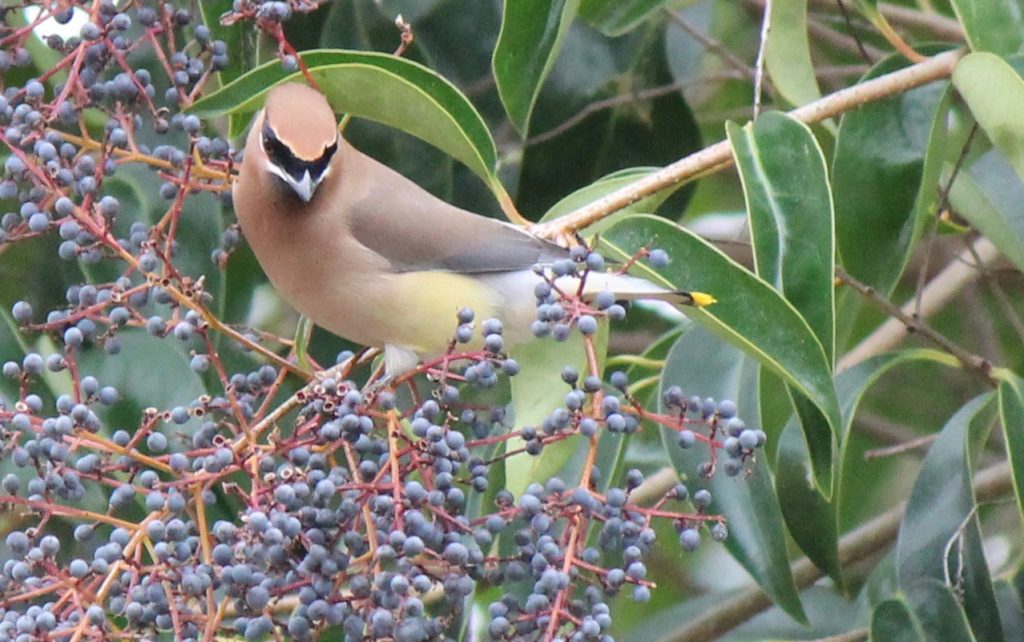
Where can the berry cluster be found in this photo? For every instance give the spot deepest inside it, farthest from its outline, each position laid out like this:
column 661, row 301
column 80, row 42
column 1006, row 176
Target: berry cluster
column 277, row 502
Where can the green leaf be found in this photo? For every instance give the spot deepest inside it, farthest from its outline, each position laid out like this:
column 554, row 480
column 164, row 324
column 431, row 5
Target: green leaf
column 382, row 88
column 604, row 186
column 851, row 384
column 893, row 621
column 876, row 176
column 627, row 134
column 881, row 584
column 940, row 614
column 945, row 143
column 776, row 409
column 536, row 391
column 1011, row 414
column 616, row 17
column 788, row 53
column 531, row 35
column 749, row 314
column 140, row 384
column 992, row 25
column 1011, row 610
column 991, row 197
column 994, row 92
column 707, row 367
column 810, row 518
column 785, row 183
column 939, row 536
column 238, row 53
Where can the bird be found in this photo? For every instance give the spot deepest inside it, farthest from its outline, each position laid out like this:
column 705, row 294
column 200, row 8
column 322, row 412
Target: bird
column 372, row 257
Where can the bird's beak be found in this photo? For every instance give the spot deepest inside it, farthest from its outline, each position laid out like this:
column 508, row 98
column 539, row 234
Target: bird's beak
column 305, row 186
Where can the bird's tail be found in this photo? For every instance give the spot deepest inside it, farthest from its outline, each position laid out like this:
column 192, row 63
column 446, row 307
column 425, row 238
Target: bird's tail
column 626, row 287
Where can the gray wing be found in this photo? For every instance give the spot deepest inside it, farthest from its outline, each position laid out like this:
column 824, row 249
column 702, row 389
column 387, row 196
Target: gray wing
column 414, row 230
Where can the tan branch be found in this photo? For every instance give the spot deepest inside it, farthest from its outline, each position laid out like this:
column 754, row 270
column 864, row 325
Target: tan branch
column 720, row 154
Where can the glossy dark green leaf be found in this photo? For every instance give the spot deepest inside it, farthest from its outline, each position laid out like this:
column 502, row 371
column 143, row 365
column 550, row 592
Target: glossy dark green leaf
column 810, row 518
column 945, row 143
column 1011, row 610
column 785, row 182
column 626, row 134
column 531, row 37
column 876, row 176
column 939, row 536
column 788, row 53
column 1011, row 414
column 851, row 385
column 813, row 520
column 749, row 314
column 776, row 409
column 994, row 92
column 941, row 616
column 707, row 367
column 992, row 25
column 616, row 17
column 382, row 88
column 893, row 621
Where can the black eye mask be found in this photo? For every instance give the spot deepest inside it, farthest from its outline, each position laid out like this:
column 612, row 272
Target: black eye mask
column 282, row 156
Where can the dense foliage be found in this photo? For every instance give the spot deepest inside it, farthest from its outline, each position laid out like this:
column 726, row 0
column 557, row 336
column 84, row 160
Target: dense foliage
column 181, row 457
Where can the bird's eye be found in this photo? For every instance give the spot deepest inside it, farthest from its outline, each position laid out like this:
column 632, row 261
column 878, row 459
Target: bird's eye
column 278, row 152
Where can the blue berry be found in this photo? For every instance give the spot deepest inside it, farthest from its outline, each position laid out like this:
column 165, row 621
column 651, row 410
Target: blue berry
column 22, row 312
column 658, row 258
column 689, row 539
column 587, row 324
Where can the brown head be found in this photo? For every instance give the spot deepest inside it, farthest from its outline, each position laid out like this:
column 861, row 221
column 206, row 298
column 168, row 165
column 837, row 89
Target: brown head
column 298, row 136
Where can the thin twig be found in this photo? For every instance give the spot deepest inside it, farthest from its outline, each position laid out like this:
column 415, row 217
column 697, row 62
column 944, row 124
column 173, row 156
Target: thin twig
column 607, row 103
column 934, row 296
column 853, row 32
column 711, row 44
column 836, row 41
column 938, row 24
column 972, row 362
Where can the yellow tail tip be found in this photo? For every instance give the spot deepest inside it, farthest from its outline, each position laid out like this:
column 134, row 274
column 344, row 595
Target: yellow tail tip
column 701, row 299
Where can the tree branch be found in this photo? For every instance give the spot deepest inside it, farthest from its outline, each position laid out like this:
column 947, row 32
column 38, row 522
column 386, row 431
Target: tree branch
column 720, row 154
column 863, row 542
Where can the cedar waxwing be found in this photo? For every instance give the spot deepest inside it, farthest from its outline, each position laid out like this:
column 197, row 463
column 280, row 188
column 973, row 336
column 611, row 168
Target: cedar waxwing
column 372, row 257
